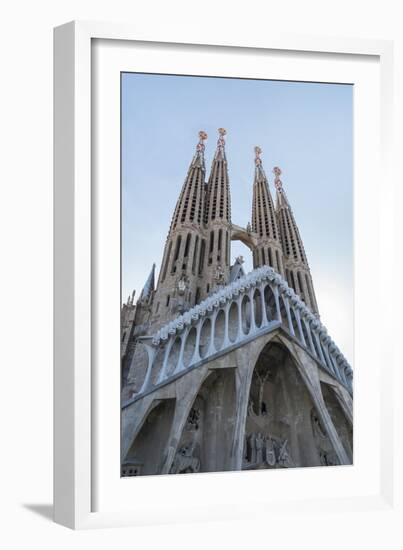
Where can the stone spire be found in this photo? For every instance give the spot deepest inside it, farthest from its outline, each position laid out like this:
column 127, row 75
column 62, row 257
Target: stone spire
column 190, row 205
column 218, row 199
column 296, row 265
column 149, row 286
column 177, row 287
column 217, row 218
column 264, row 221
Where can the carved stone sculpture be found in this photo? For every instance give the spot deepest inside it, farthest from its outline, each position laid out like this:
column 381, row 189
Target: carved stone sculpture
column 259, row 442
column 185, row 462
column 284, row 459
column 270, row 453
column 193, row 419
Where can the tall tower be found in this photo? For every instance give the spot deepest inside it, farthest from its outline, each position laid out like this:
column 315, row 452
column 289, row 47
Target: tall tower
column 177, row 287
column 217, row 218
column 296, row 265
column 264, row 221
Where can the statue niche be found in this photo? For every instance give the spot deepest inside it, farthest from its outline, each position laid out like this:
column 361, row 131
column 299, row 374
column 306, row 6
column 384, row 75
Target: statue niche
column 266, row 451
column 278, row 428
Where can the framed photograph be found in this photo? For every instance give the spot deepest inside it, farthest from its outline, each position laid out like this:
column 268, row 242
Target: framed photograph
column 217, row 233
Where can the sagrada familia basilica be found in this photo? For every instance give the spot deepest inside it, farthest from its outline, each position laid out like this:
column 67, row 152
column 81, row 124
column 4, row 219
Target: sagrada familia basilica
column 223, row 370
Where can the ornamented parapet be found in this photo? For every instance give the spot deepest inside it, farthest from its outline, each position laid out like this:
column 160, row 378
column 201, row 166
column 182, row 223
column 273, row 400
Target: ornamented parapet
column 184, row 343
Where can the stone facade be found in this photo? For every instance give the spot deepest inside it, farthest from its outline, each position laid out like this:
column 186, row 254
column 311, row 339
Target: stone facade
column 223, row 370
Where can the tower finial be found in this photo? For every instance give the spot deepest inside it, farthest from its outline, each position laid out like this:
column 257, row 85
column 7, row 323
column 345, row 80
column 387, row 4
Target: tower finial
column 258, row 152
column 221, row 141
column 202, row 137
column 259, row 173
column 198, row 159
column 277, row 181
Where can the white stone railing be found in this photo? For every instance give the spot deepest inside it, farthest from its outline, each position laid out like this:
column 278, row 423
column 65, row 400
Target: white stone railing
column 259, row 302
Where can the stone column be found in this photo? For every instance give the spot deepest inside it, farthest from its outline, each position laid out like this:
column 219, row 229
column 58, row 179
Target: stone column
column 263, row 306
column 243, row 377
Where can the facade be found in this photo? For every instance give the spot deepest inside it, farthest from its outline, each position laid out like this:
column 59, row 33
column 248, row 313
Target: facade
column 223, row 370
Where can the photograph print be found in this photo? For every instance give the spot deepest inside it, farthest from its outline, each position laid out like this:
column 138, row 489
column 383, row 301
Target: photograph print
column 236, row 274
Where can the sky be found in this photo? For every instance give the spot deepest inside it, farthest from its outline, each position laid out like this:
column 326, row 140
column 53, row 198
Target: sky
column 304, row 128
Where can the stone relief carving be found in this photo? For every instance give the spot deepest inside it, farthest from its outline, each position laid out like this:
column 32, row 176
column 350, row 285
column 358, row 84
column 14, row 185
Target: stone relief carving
column 261, row 450
column 260, row 407
column 184, row 461
column 193, row 420
column 270, row 453
column 183, row 284
column 219, row 276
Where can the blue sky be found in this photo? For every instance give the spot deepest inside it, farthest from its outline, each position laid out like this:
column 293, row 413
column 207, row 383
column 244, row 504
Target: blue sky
column 305, row 128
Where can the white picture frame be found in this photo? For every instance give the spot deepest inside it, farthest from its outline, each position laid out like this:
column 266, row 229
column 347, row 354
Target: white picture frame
column 85, row 494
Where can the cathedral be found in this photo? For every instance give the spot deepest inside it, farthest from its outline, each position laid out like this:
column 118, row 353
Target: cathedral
column 224, row 370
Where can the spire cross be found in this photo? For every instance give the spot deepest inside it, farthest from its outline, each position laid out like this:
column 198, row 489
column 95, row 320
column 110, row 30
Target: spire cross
column 221, row 141
column 277, row 181
column 258, row 152
column 202, row 138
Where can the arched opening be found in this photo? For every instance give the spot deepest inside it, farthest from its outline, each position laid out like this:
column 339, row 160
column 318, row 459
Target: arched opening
column 176, row 255
column 202, row 254
column 189, row 348
column 270, row 302
column 278, row 429
column 240, row 248
column 328, row 362
column 205, row 336
column 246, row 314
column 219, row 330
column 315, row 344
column 257, row 307
column 173, row 357
column 294, row 323
column 197, row 297
column 211, row 247
column 195, row 251
column 292, row 279
column 283, row 313
column 279, row 267
column 187, row 245
column 305, row 333
column 270, row 257
column 233, row 322
column 301, row 286
column 158, row 364
column 206, row 440
column 146, row 453
column 219, row 246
